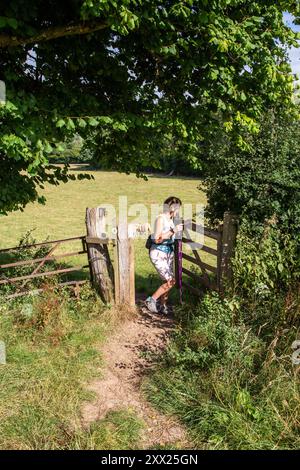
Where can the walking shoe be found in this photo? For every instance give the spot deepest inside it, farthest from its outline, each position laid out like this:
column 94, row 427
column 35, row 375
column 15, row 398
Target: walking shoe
column 151, row 305
column 164, row 310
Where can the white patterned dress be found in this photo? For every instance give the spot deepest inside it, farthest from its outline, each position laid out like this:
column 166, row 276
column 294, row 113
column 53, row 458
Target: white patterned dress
column 162, row 255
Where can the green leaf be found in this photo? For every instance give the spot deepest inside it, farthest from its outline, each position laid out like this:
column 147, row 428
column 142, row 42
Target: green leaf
column 12, row 22
column 82, row 123
column 120, row 126
column 93, row 122
column 48, row 148
column 106, row 119
column 60, row 123
column 3, row 21
column 70, row 124
column 280, row 267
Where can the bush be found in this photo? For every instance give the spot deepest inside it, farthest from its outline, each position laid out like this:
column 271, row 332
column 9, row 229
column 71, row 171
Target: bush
column 228, row 373
column 212, row 336
column 267, row 280
column 260, row 181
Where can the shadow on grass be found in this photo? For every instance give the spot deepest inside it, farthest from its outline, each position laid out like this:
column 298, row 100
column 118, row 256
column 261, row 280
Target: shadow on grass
column 87, row 167
column 147, row 285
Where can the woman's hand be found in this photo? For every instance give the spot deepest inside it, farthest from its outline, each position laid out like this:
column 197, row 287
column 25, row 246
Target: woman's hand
column 179, row 228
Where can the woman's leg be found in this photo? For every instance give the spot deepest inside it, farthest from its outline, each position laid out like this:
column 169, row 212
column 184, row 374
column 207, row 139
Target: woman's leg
column 164, row 289
column 164, row 298
column 163, row 263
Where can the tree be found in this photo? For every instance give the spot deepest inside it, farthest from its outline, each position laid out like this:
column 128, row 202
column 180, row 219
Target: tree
column 129, row 73
column 260, row 182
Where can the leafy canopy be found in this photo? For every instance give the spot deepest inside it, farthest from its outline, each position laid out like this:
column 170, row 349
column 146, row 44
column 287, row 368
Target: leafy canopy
column 124, row 74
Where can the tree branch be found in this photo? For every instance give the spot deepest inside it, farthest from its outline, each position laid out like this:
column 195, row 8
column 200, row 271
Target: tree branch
column 52, row 33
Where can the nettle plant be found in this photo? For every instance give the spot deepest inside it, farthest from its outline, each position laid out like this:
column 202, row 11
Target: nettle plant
column 125, row 74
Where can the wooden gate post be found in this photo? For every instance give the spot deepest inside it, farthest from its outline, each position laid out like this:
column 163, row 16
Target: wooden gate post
column 226, row 249
column 124, row 267
column 101, row 268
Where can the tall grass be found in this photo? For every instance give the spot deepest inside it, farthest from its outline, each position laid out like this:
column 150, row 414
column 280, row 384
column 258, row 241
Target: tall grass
column 52, row 346
column 228, row 373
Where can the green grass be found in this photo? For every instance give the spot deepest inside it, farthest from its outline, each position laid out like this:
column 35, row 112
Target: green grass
column 52, row 340
column 230, row 386
column 119, row 430
column 52, row 353
column 63, row 215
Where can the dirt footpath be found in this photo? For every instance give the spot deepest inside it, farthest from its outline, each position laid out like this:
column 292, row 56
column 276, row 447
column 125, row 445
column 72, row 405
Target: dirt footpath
column 128, row 355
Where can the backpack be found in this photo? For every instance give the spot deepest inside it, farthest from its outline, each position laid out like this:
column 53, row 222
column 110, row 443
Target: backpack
column 149, row 242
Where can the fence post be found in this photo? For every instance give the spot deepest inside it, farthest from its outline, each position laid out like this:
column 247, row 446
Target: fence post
column 124, row 285
column 226, row 249
column 101, row 268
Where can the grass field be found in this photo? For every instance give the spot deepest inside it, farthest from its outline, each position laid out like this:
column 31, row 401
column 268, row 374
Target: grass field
column 52, row 345
column 63, row 215
column 52, row 342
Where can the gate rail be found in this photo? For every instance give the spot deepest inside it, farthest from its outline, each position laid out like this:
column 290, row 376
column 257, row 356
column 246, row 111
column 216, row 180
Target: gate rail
column 41, row 261
column 225, row 236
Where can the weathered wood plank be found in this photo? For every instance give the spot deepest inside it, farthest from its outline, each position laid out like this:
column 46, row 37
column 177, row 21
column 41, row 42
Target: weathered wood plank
column 41, row 264
column 96, row 240
column 131, row 273
column 116, row 275
column 51, row 242
column 219, row 259
column 46, row 273
column 98, row 254
column 201, row 279
column 229, row 234
column 125, row 285
column 198, row 246
column 191, row 274
column 201, row 264
column 196, row 254
column 37, row 260
column 190, row 224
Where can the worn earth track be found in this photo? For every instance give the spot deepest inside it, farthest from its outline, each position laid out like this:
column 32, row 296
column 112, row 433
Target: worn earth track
column 128, row 356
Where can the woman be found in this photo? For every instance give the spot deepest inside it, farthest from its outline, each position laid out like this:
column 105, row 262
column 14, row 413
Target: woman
column 162, row 254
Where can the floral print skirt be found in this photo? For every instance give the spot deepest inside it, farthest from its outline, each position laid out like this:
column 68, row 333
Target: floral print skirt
column 163, row 263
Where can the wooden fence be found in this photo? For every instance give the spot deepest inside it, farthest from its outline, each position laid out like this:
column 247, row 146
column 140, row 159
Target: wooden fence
column 211, row 276
column 21, row 281
column 115, row 280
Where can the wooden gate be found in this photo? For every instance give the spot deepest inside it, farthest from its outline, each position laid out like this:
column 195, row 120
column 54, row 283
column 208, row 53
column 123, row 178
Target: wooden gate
column 213, row 273
column 20, row 282
column 113, row 280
